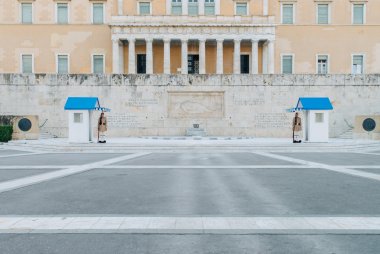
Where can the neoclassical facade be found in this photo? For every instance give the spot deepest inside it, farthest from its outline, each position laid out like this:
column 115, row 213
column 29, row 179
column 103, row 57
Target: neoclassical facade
column 190, row 36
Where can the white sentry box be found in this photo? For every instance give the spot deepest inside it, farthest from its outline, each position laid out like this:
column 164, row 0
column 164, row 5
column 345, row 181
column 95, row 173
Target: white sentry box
column 80, row 126
column 316, row 118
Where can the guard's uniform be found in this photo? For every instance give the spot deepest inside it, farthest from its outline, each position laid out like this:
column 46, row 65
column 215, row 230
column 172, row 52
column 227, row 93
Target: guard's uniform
column 297, row 129
column 102, row 128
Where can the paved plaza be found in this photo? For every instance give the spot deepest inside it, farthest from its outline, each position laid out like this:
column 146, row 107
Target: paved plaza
column 264, row 198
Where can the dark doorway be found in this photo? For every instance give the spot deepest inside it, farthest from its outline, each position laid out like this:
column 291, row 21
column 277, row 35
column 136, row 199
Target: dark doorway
column 193, row 64
column 141, row 63
column 244, row 64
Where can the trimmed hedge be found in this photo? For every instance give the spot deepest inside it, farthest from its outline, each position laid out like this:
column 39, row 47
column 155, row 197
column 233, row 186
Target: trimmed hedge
column 6, row 133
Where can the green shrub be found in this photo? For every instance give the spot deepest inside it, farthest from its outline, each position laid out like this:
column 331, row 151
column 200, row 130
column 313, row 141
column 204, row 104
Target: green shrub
column 6, row 133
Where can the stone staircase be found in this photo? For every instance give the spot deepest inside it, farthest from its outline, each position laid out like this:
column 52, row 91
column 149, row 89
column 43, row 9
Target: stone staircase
column 349, row 134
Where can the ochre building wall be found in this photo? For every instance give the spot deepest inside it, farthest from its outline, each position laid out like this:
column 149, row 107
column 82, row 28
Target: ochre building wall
column 305, row 39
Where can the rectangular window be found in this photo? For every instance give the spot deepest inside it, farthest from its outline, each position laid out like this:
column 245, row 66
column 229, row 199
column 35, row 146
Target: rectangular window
column 287, row 64
column 193, row 64
column 62, row 64
column 97, row 13
column 144, row 8
column 209, row 7
column 62, row 13
column 358, row 15
column 241, row 9
column 141, row 63
column 244, row 64
column 193, row 7
column 98, row 64
column 319, row 117
column 27, row 63
column 322, row 64
column 287, row 14
column 323, row 13
column 27, row 13
column 177, row 7
column 357, row 64
column 78, row 117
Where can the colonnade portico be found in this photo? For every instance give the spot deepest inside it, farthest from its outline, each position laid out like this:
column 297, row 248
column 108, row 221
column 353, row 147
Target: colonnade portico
column 267, row 58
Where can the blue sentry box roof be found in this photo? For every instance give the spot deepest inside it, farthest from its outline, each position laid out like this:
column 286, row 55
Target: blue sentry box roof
column 82, row 103
column 314, row 103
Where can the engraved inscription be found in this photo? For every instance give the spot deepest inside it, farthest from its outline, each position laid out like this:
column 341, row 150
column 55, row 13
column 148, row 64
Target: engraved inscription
column 123, row 121
column 196, row 105
column 272, row 121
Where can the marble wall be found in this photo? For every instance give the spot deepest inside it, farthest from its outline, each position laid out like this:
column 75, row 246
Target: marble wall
column 223, row 105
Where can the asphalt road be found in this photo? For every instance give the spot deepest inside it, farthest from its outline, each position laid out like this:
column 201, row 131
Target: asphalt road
column 191, row 184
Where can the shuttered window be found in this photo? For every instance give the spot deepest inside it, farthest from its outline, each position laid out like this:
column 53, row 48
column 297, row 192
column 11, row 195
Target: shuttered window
column 27, row 63
column 322, row 64
column 209, row 7
column 27, row 13
column 97, row 13
column 98, row 64
column 287, row 64
column 193, row 7
column 323, row 13
column 241, row 9
column 176, row 7
column 63, row 64
column 358, row 14
column 144, row 8
column 357, row 64
column 62, row 13
column 287, row 14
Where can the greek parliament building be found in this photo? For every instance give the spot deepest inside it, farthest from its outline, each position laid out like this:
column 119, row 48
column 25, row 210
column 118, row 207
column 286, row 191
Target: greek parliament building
column 233, row 66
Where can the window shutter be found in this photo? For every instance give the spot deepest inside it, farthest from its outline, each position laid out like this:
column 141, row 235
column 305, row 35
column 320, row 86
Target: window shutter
column 62, row 13
column 287, row 64
column 358, row 13
column 63, row 64
column 241, row 8
column 27, row 64
column 144, row 8
column 98, row 64
column 209, row 7
column 323, row 14
column 287, row 14
column 193, row 8
column 98, row 13
column 357, row 65
column 27, row 14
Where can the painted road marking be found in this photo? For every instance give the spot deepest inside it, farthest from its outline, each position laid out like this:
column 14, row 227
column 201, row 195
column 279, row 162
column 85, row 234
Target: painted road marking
column 191, row 225
column 26, row 181
column 339, row 169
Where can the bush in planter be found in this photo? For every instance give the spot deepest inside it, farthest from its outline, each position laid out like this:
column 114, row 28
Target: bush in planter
column 6, row 133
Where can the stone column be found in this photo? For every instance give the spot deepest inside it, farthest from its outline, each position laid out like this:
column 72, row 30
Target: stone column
column 149, row 55
column 168, row 7
column 202, row 56
column 217, row 7
column 201, row 7
column 185, row 7
column 115, row 56
column 120, row 7
column 131, row 56
column 265, row 58
column 184, row 63
column 271, row 57
column 237, row 56
column 166, row 56
column 219, row 56
column 255, row 57
column 265, row 7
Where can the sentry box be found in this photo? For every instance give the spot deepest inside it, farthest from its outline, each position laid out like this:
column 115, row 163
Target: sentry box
column 80, row 118
column 315, row 117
